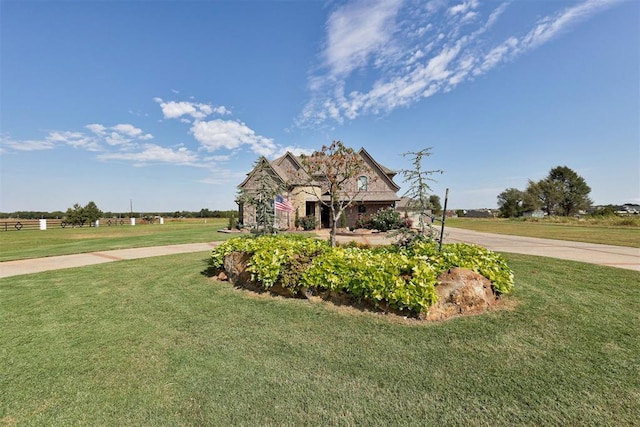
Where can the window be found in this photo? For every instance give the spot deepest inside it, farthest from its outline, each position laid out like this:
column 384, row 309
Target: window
column 362, row 183
column 362, row 209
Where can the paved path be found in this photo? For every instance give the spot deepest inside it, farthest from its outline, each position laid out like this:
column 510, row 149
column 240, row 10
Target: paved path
column 609, row 255
column 613, row 256
column 36, row 265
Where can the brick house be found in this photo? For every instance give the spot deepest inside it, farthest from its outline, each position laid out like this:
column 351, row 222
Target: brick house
column 375, row 190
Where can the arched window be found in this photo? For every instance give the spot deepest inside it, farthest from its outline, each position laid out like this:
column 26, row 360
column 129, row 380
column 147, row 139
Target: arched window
column 362, row 183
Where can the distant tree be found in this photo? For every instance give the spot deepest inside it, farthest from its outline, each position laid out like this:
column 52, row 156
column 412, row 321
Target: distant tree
column 332, row 170
column 563, row 192
column 75, row 215
column 91, row 212
column 511, row 203
column 434, row 202
column 79, row 215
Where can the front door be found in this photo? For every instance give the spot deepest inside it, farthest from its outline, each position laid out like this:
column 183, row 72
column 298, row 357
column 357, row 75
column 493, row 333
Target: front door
column 325, row 215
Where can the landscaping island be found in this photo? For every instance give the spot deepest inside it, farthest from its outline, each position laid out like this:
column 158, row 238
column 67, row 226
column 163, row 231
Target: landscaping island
column 416, row 280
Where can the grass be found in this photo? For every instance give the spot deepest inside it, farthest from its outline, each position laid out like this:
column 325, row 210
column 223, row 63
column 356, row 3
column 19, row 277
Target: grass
column 157, row 342
column 602, row 232
column 58, row 241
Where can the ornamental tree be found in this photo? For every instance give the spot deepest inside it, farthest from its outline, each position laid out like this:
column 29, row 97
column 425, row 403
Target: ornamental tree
column 261, row 198
column 332, row 172
column 418, row 193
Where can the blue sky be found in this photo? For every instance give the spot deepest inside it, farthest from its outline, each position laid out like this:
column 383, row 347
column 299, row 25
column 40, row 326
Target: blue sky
column 169, row 103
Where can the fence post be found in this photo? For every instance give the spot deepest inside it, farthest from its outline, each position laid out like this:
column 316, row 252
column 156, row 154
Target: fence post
column 97, row 223
column 43, row 224
column 161, row 220
column 133, row 221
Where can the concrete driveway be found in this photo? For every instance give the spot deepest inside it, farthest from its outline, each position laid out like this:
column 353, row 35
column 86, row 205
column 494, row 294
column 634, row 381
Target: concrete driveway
column 609, row 255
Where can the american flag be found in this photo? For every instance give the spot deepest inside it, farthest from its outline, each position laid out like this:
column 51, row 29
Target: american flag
column 282, row 204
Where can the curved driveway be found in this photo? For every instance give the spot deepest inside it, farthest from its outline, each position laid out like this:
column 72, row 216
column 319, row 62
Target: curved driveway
column 609, row 255
column 612, row 256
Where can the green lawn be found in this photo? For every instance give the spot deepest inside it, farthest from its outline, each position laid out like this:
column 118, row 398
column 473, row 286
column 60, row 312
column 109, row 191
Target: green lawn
column 157, row 342
column 58, row 241
column 576, row 231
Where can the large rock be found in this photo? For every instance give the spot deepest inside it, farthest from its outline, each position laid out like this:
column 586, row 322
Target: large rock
column 461, row 291
column 235, row 265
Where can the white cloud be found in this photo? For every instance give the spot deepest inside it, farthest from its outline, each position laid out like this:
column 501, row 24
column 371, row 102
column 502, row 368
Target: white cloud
column 388, row 54
column 496, row 55
column 551, row 26
column 357, row 30
column 228, row 134
column 127, row 129
column 114, row 138
column 28, row 145
column 127, row 142
column 463, row 8
column 198, row 111
column 296, row 151
column 74, row 139
column 152, row 153
column 96, row 128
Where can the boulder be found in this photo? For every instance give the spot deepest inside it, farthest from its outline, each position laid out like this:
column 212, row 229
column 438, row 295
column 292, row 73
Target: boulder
column 235, row 265
column 461, row 291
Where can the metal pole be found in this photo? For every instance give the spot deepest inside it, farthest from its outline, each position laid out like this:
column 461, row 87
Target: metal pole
column 444, row 217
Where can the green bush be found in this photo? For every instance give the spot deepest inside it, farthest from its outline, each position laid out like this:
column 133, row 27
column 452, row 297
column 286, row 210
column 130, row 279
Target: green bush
column 375, row 276
column 308, row 222
column 384, row 220
column 232, row 223
column 402, row 277
column 270, row 255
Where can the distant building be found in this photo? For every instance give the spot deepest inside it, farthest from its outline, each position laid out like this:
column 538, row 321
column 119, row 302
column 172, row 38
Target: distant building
column 479, row 213
column 538, row 213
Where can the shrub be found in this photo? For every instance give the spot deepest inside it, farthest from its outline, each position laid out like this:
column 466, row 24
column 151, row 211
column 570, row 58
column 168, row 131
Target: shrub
column 375, row 276
column 308, row 222
column 402, row 277
column 232, row 223
column 384, row 220
column 270, row 255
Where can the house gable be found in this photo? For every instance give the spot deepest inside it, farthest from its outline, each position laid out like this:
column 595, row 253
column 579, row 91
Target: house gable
column 251, row 181
column 291, row 168
column 381, row 171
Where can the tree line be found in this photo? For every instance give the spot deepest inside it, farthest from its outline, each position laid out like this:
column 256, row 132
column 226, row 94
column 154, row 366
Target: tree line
column 561, row 193
column 76, row 210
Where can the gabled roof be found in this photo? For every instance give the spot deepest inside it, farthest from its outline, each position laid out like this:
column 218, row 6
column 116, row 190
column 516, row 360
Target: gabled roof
column 387, row 173
column 264, row 163
column 276, row 166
